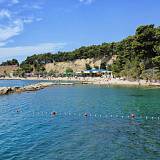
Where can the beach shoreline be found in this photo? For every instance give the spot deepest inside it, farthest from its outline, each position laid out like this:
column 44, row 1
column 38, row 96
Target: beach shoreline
column 92, row 80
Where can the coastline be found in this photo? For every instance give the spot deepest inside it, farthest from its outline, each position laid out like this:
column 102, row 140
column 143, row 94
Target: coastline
column 92, row 80
column 28, row 88
column 33, row 87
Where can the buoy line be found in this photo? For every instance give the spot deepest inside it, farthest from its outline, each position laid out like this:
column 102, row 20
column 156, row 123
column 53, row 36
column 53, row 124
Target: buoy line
column 133, row 116
column 95, row 115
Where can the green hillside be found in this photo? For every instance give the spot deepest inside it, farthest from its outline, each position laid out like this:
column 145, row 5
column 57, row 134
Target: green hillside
column 138, row 56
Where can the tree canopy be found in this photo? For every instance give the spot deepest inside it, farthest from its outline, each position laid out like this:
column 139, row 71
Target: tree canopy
column 10, row 62
column 137, row 55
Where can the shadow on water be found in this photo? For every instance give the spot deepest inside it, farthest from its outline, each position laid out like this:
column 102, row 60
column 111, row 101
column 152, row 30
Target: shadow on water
column 136, row 95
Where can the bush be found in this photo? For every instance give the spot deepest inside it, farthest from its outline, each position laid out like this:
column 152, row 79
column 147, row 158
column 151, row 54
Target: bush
column 69, row 70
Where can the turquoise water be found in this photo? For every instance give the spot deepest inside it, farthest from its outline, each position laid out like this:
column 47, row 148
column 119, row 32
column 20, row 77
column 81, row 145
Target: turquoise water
column 33, row 133
column 17, row 83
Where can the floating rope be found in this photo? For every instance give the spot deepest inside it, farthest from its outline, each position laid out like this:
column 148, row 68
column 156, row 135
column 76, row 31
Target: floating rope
column 95, row 115
column 84, row 115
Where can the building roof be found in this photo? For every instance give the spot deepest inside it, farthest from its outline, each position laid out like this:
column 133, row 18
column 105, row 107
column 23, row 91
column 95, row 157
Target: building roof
column 94, row 70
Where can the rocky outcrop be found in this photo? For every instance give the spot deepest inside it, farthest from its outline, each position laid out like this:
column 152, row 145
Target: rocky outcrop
column 7, row 69
column 34, row 87
column 78, row 65
column 6, row 90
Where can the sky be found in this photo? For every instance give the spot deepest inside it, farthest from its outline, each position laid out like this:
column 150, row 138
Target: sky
column 36, row 26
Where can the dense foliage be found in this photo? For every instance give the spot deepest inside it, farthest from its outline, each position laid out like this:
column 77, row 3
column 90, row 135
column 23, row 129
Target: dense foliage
column 10, row 62
column 94, row 51
column 138, row 56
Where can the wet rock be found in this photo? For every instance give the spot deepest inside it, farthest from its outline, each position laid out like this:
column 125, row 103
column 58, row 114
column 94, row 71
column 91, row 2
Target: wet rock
column 34, row 87
column 6, row 90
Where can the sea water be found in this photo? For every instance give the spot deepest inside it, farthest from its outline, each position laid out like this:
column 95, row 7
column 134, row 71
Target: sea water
column 28, row 130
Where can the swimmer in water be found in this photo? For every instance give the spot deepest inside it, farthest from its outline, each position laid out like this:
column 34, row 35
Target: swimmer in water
column 85, row 114
column 53, row 113
column 18, row 110
column 132, row 116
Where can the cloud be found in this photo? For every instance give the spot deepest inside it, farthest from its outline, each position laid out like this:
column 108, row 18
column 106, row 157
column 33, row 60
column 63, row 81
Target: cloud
column 3, row 44
column 12, row 23
column 14, row 27
column 5, row 13
column 28, row 20
column 14, row 1
column 37, row 6
column 10, row 31
column 86, row 1
column 29, row 50
column 32, row 6
column 39, row 19
column 32, row 19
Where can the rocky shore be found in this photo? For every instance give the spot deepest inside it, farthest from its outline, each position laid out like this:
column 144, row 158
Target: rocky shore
column 33, row 87
column 100, row 81
column 74, row 81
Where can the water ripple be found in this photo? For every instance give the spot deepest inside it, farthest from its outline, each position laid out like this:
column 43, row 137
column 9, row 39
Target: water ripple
column 33, row 133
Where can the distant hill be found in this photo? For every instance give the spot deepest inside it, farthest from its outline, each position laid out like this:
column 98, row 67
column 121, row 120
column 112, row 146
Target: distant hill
column 137, row 56
column 10, row 62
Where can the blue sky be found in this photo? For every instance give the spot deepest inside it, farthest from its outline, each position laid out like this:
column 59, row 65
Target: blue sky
column 28, row 27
